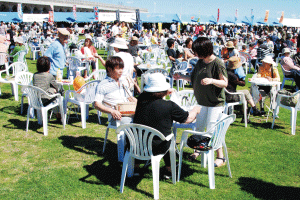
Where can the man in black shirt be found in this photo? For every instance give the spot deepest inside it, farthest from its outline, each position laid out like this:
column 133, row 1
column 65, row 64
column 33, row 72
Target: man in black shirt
column 11, row 35
column 172, row 55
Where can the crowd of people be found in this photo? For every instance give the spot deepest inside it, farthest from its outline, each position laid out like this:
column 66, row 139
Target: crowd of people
column 210, row 72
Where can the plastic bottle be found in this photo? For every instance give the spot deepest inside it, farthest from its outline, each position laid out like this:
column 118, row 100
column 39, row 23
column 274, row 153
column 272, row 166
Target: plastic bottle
column 58, row 76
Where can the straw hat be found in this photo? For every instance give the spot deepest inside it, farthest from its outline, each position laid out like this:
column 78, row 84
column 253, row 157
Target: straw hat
column 63, row 31
column 119, row 43
column 229, row 45
column 234, row 62
column 156, row 82
column 269, row 60
column 286, row 50
column 134, row 38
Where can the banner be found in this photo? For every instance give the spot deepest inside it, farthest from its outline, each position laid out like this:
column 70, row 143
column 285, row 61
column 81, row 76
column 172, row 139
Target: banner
column 51, row 8
column 267, row 16
column 281, row 18
column 178, row 28
column 159, row 27
column 236, row 15
column 35, row 17
column 96, row 13
column 252, row 17
column 218, row 15
column 74, row 12
column 20, row 12
column 51, row 16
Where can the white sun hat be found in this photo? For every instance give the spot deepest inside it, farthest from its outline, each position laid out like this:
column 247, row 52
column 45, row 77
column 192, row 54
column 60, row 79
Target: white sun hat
column 286, row 50
column 119, row 43
column 19, row 40
column 269, row 60
column 156, row 82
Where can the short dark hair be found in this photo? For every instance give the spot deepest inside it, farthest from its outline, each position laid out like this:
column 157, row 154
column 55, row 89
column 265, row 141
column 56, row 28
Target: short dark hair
column 188, row 41
column 170, row 42
column 156, row 95
column 112, row 62
column 260, row 42
column 43, row 64
column 203, row 47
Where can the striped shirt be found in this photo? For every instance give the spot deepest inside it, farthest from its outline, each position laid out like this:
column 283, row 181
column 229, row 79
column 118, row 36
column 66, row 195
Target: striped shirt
column 262, row 51
column 110, row 93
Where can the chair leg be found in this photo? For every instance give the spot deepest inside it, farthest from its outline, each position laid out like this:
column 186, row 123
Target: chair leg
column 173, row 160
column 14, row 88
column 203, row 159
column 211, row 169
column 124, row 171
column 155, row 160
column 45, row 121
column 105, row 139
column 180, row 162
column 61, row 110
column 274, row 117
column 83, row 114
column 227, row 160
column 99, row 114
column 28, row 115
column 22, row 100
column 293, row 121
column 245, row 113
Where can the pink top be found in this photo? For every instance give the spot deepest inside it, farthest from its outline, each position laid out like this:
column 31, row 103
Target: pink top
column 288, row 64
column 253, row 53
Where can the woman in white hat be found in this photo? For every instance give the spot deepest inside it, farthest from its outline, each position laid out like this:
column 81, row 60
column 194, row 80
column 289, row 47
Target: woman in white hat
column 19, row 47
column 267, row 70
column 153, row 111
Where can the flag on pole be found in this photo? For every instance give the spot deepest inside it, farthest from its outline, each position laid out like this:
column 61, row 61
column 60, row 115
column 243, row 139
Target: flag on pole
column 218, row 15
column 281, row 18
column 51, row 16
column 20, row 12
column 267, row 16
column 252, row 16
column 236, row 15
column 96, row 13
column 74, row 12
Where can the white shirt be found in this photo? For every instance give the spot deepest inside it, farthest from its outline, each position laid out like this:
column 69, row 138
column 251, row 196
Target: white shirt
column 115, row 30
column 128, row 63
column 173, row 27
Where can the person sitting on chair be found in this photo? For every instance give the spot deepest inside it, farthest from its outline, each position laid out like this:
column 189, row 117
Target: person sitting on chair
column 293, row 71
column 268, row 71
column 19, row 47
column 233, row 81
column 172, row 55
column 112, row 89
column 153, row 111
column 46, row 81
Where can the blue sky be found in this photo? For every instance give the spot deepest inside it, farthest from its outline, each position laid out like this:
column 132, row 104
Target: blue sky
column 210, row 7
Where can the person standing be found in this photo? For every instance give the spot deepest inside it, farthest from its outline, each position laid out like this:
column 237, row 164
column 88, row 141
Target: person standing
column 56, row 51
column 209, row 78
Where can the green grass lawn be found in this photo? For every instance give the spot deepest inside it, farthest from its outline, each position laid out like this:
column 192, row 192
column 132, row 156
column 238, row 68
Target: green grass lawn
column 69, row 164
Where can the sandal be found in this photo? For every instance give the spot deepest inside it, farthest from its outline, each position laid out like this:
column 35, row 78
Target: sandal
column 220, row 165
column 193, row 157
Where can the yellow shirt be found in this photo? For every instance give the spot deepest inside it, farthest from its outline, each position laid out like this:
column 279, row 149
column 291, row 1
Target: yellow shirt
column 264, row 72
column 124, row 31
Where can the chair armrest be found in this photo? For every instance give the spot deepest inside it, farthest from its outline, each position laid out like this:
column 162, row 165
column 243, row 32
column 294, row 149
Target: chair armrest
column 279, row 96
column 169, row 137
column 68, row 92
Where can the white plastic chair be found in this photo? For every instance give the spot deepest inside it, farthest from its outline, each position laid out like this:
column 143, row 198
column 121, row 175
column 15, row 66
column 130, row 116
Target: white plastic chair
column 21, row 56
column 75, row 64
column 293, row 110
column 11, row 72
column 217, row 134
column 97, row 75
column 24, row 78
column 4, row 60
column 34, row 95
column 140, row 138
column 82, row 101
column 246, row 62
column 285, row 78
column 182, row 69
column 229, row 107
column 186, row 100
column 34, row 51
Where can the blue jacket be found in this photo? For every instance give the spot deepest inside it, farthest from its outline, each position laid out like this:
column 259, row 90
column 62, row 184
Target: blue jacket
column 57, row 56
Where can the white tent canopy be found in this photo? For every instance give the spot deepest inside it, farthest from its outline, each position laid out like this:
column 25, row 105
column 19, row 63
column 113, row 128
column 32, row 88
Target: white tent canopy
column 291, row 22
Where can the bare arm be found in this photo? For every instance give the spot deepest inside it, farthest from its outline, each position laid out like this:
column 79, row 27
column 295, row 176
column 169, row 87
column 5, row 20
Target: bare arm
column 193, row 114
column 181, row 76
column 114, row 113
column 221, row 83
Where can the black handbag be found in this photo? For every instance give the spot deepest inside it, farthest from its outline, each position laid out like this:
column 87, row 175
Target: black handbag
column 199, row 142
